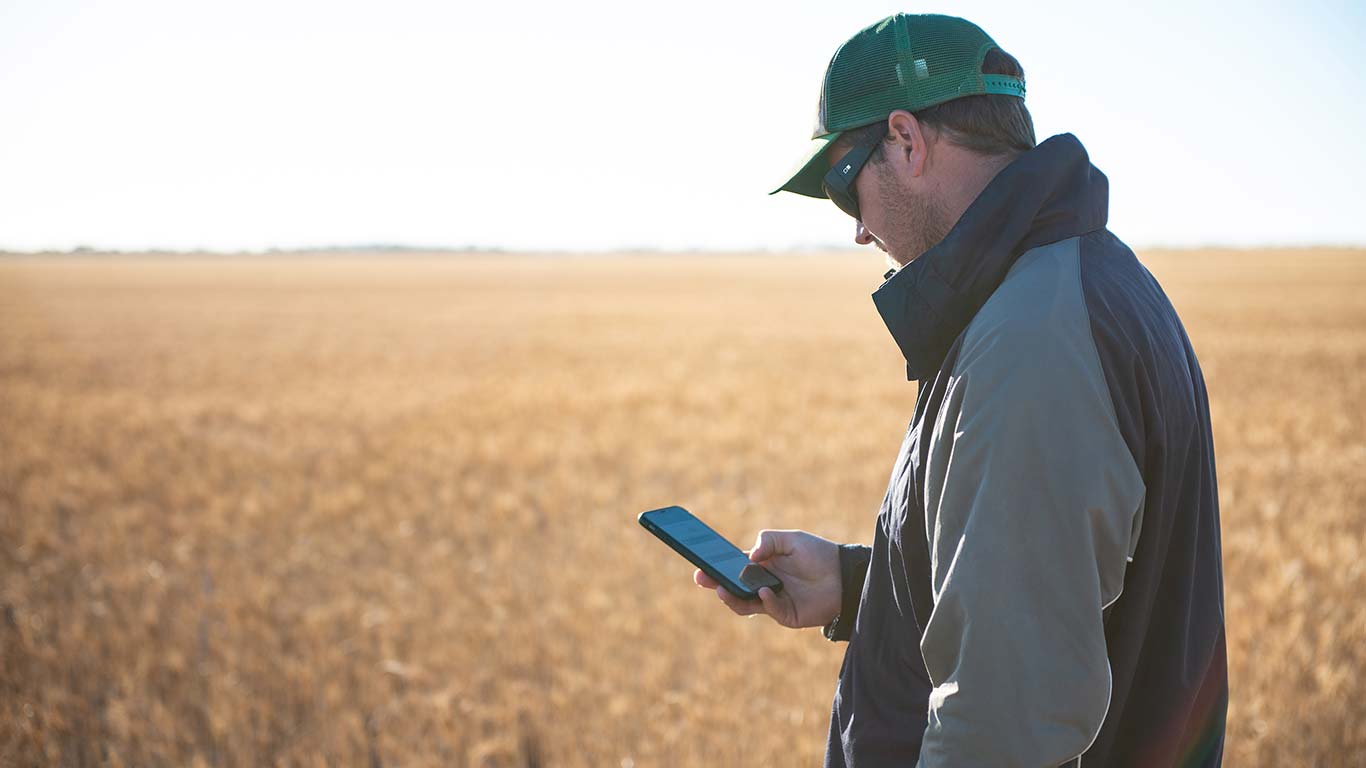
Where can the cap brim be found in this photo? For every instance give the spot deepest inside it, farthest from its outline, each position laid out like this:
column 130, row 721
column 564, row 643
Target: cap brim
column 807, row 177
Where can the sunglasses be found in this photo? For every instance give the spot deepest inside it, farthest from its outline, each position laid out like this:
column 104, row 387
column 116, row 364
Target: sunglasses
column 839, row 180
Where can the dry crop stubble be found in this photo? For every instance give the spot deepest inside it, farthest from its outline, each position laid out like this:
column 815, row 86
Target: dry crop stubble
column 368, row 508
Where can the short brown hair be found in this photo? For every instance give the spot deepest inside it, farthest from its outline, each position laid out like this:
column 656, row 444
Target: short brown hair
column 988, row 124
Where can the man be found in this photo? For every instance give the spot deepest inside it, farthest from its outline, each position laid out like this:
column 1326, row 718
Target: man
column 1044, row 585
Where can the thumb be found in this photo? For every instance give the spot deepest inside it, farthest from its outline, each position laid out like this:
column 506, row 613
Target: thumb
column 768, row 545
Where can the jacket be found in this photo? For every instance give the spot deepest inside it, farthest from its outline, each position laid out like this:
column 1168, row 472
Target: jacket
column 1044, row 585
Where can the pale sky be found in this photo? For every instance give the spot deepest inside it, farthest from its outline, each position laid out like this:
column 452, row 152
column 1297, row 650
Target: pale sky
column 600, row 125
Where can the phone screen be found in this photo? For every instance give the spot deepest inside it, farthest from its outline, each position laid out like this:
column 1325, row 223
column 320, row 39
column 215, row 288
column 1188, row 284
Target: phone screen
column 707, row 544
column 695, row 536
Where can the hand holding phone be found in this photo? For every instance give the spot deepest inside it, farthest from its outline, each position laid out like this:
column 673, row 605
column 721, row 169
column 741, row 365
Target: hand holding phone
column 806, row 565
column 709, row 551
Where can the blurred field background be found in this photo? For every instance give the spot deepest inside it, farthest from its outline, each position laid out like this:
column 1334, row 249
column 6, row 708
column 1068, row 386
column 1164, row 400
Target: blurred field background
column 380, row 509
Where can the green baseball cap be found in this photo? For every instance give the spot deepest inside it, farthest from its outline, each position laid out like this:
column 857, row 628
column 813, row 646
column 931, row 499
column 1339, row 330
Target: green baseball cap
column 905, row 61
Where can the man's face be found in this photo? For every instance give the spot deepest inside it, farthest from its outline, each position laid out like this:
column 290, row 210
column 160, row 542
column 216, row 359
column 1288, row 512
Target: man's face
column 902, row 213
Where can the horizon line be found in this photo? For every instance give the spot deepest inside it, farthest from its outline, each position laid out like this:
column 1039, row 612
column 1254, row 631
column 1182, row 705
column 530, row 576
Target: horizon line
column 400, row 249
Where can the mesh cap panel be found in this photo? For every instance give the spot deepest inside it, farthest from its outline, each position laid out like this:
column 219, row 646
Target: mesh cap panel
column 906, row 61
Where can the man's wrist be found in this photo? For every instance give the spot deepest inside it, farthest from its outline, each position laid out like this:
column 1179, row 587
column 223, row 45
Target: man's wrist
column 853, row 569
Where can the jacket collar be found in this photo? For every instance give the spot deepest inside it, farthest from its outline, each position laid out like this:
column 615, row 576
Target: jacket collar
column 1050, row 193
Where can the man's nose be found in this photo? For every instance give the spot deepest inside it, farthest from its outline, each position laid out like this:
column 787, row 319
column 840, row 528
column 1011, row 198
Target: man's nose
column 861, row 235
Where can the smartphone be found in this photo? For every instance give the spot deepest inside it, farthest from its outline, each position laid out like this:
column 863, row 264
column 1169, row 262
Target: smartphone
column 710, row 551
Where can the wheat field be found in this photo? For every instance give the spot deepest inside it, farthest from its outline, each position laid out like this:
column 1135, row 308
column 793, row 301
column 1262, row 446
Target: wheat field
column 376, row 509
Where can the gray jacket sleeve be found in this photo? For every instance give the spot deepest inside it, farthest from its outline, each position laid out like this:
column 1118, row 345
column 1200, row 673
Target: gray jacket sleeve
column 1033, row 504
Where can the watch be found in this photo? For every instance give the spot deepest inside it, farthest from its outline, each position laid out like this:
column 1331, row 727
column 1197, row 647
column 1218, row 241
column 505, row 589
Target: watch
column 836, row 631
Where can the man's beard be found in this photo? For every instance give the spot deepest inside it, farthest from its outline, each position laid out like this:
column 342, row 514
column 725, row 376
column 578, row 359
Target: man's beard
column 922, row 219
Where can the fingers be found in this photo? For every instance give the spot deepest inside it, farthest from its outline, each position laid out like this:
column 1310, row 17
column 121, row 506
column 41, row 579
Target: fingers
column 740, row 607
column 703, row 580
column 773, row 608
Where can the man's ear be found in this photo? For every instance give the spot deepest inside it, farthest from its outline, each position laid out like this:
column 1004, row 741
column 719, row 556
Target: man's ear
column 908, row 143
